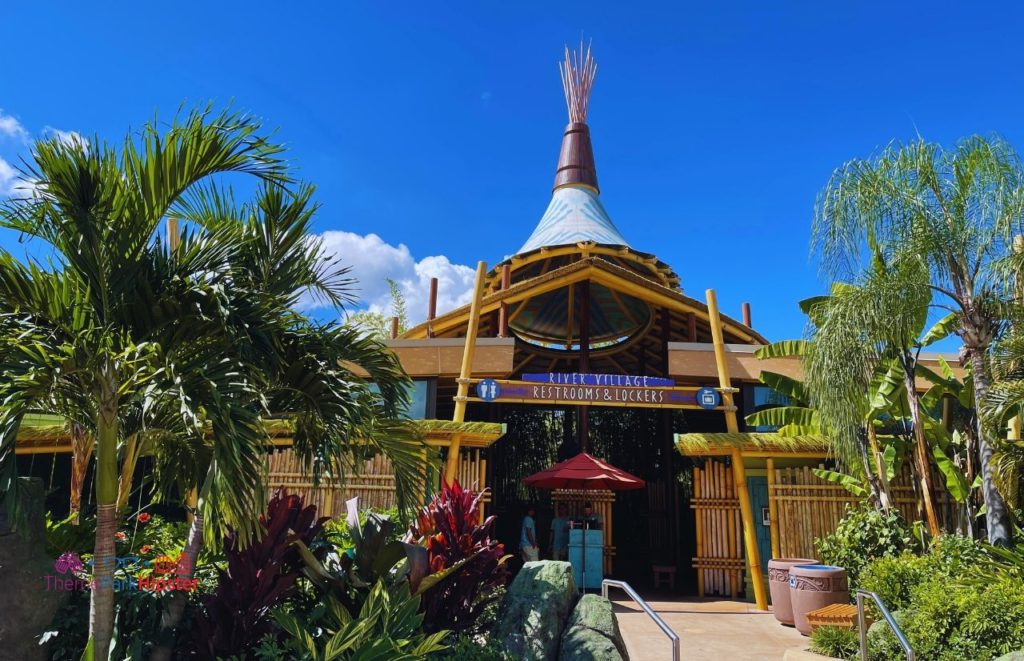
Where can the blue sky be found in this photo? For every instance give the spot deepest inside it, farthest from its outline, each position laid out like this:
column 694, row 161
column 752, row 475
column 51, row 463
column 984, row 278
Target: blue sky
column 436, row 126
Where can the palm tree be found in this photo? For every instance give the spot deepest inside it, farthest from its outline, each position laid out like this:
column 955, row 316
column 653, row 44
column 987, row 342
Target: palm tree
column 957, row 209
column 342, row 391
column 82, row 328
column 861, row 330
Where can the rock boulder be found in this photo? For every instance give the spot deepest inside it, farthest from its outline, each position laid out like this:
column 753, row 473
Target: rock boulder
column 535, row 610
column 592, row 633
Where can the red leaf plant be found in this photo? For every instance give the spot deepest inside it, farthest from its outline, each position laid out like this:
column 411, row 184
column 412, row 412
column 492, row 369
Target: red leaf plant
column 258, row 578
column 449, row 528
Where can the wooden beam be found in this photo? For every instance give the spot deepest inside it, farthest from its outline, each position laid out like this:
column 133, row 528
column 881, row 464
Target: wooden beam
column 522, row 291
column 569, row 317
column 431, row 307
column 739, row 474
column 506, row 281
column 452, row 467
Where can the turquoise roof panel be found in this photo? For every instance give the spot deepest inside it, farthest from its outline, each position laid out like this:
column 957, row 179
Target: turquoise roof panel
column 575, row 214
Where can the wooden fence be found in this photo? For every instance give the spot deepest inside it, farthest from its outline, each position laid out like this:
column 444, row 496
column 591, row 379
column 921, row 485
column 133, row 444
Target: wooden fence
column 373, row 483
column 803, row 508
column 808, row 507
column 719, row 559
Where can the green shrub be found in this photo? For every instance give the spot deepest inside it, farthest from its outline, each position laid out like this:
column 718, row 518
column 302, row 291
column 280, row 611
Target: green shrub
column 954, row 555
column 836, row 642
column 893, row 579
column 864, row 534
column 949, row 621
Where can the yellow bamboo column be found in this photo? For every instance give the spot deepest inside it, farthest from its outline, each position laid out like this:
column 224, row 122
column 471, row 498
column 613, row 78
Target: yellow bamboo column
column 739, row 472
column 452, row 466
column 773, row 509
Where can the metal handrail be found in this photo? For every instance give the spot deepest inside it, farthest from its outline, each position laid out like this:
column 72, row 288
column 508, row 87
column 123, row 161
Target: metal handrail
column 666, row 629
column 904, row 643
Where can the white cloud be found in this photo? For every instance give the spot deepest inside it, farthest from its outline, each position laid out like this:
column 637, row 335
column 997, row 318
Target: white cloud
column 373, row 261
column 67, row 137
column 11, row 127
column 13, row 184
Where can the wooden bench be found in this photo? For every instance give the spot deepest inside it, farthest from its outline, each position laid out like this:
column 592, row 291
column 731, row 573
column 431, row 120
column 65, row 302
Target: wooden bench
column 664, row 573
column 843, row 616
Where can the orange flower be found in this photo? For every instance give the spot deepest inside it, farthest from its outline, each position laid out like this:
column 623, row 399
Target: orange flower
column 146, row 548
column 144, row 517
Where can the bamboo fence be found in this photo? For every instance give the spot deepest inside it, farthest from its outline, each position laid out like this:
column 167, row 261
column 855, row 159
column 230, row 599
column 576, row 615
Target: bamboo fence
column 809, row 507
column 719, row 559
column 373, row 482
column 804, row 508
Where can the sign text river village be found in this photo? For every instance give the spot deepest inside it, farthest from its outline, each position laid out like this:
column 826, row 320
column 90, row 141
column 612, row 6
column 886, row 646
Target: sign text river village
column 596, row 389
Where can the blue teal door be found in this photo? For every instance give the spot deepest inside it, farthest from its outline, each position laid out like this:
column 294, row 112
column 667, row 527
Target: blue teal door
column 758, row 487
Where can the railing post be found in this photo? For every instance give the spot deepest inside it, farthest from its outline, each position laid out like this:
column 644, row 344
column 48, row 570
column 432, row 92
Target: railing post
column 889, row 619
column 862, row 629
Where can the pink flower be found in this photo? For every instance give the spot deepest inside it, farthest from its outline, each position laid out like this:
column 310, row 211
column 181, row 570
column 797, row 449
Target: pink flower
column 146, row 548
column 144, row 517
column 120, row 536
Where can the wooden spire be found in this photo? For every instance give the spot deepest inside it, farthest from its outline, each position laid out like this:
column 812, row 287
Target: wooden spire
column 578, row 71
column 576, row 160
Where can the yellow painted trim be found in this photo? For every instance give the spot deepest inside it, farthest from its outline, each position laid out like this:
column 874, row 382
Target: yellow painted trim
column 739, row 473
column 452, row 467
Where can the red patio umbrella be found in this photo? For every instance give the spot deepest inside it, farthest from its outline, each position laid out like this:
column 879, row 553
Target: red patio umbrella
column 584, row 472
column 587, row 473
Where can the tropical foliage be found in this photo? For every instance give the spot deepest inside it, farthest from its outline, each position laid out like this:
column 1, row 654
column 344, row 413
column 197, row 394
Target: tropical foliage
column 941, row 224
column 449, row 528
column 181, row 345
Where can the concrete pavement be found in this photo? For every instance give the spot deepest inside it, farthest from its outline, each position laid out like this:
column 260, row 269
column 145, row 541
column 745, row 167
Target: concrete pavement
column 709, row 629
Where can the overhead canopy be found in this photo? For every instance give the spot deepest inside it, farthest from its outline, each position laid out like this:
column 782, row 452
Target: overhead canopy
column 584, row 472
column 47, row 434
column 555, row 317
column 767, row 443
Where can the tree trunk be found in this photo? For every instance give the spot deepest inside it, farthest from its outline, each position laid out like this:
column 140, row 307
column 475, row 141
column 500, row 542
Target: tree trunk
column 884, row 496
column 1000, row 532
column 920, row 449
column 171, row 617
column 177, row 601
column 101, row 609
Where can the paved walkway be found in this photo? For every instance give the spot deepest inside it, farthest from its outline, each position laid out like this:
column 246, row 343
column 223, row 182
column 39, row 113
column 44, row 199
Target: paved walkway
column 713, row 630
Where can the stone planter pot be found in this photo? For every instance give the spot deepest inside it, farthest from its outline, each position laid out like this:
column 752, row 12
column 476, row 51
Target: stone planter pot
column 778, row 583
column 814, row 586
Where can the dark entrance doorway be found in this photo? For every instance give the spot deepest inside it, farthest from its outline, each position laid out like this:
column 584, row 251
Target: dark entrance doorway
column 647, row 526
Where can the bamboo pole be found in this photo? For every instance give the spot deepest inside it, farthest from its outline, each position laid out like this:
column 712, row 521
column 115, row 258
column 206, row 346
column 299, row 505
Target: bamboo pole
column 467, row 370
column 740, row 474
column 698, row 496
column 773, row 509
column 730, row 516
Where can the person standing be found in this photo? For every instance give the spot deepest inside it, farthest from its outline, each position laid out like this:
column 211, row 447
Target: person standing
column 560, row 533
column 528, row 537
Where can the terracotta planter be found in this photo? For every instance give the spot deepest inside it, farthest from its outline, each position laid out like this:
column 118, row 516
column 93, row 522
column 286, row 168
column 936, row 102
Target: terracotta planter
column 778, row 583
column 814, row 586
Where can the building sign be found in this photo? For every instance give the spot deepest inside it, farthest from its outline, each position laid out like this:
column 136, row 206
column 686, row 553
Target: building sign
column 621, row 380
column 708, row 398
column 488, row 390
column 534, row 392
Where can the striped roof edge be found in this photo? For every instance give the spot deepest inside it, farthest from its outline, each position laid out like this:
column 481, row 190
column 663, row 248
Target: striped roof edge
column 709, row 443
